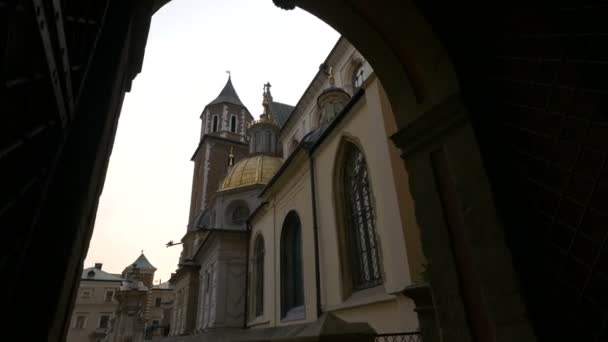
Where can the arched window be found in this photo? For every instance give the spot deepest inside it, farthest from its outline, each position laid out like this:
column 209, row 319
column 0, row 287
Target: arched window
column 358, row 77
column 359, row 219
column 292, row 284
column 233, row 123
column 215, row 123
column 268, row 141
column 240, row 214
column 258, row 142
column 258, row 297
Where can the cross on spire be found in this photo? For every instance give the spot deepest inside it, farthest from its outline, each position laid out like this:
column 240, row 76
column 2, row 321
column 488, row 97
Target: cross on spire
column 267, row 88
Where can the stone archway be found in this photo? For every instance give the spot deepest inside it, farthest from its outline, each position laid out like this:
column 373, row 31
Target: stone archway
column 532, row 76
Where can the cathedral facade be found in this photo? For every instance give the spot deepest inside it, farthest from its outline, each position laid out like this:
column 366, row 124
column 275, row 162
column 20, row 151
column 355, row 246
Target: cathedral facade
column 293, row 220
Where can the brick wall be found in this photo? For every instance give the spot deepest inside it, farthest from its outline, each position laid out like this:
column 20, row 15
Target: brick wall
column 218, row 161
column 210, row 172
column 224, row 111
column 535, row 78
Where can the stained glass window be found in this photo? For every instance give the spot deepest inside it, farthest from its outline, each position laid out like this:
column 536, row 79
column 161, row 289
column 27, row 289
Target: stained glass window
column 360, row 220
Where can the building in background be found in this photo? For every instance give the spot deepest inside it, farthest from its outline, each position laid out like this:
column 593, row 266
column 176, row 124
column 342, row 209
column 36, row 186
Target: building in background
column 160, row 304
column 224, row 124
column 95, row 305
column 336, row 232
column 309, row 221
column 222, row 254
column 141, row 304
column 121, row 307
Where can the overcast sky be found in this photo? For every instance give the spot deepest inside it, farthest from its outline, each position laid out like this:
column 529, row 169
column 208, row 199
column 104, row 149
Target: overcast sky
column 146, row 198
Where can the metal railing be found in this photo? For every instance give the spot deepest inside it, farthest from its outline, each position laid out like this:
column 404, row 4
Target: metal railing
column 413, row 336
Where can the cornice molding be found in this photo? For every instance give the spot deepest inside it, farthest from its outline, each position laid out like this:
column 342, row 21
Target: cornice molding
column 430, row 125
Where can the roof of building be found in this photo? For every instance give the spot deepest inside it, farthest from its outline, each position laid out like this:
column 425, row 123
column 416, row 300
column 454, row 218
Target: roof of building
column 313, row 139
column 93, row 273
column 228, row 95
column 281, row 112
column 202, row 220
column 141, row 263
column 250, row 171
column 319, row 77
column 163, row 286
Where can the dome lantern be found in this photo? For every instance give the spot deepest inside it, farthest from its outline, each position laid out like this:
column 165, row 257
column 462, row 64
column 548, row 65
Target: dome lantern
column 263, row 133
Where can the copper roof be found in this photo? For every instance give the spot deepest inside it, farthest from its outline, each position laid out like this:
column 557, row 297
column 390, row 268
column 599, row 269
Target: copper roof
column 142, row 264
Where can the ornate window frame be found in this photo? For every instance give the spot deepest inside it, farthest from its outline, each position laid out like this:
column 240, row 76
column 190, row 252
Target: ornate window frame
column 346, row 239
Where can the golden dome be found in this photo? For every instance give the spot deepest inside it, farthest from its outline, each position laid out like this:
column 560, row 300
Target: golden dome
column 249, row 171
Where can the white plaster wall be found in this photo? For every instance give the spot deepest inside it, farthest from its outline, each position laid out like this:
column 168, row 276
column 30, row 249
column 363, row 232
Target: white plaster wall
column 93, row 308
column 366, row 126
column 294, row 194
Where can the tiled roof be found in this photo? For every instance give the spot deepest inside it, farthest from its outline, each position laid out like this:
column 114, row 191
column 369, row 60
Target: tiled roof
column 163, row 286
column 93, row 273
column 142, row 263
column 227, row 95
column 281, row 112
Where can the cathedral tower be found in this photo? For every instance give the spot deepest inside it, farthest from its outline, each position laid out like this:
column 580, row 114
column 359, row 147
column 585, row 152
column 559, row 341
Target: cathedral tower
column 224, row 123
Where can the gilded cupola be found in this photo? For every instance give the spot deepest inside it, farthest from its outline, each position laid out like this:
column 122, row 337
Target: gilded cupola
column 253, row 170
column 263, row 160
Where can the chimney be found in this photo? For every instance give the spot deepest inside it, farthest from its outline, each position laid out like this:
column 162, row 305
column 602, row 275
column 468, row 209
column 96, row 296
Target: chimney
column 98, row 265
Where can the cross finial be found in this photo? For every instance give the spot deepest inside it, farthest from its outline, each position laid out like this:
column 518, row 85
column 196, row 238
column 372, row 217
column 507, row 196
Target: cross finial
column 267, row 88
column 228, row 72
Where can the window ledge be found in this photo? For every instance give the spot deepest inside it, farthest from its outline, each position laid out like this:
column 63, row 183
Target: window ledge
column 363, row 297
column 295, row 314
column 258, row 321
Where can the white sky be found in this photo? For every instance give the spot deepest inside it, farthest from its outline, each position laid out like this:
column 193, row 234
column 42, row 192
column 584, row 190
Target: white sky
column 146, row 198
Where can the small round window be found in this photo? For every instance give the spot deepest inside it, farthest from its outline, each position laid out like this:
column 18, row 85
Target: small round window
column 240, row 214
